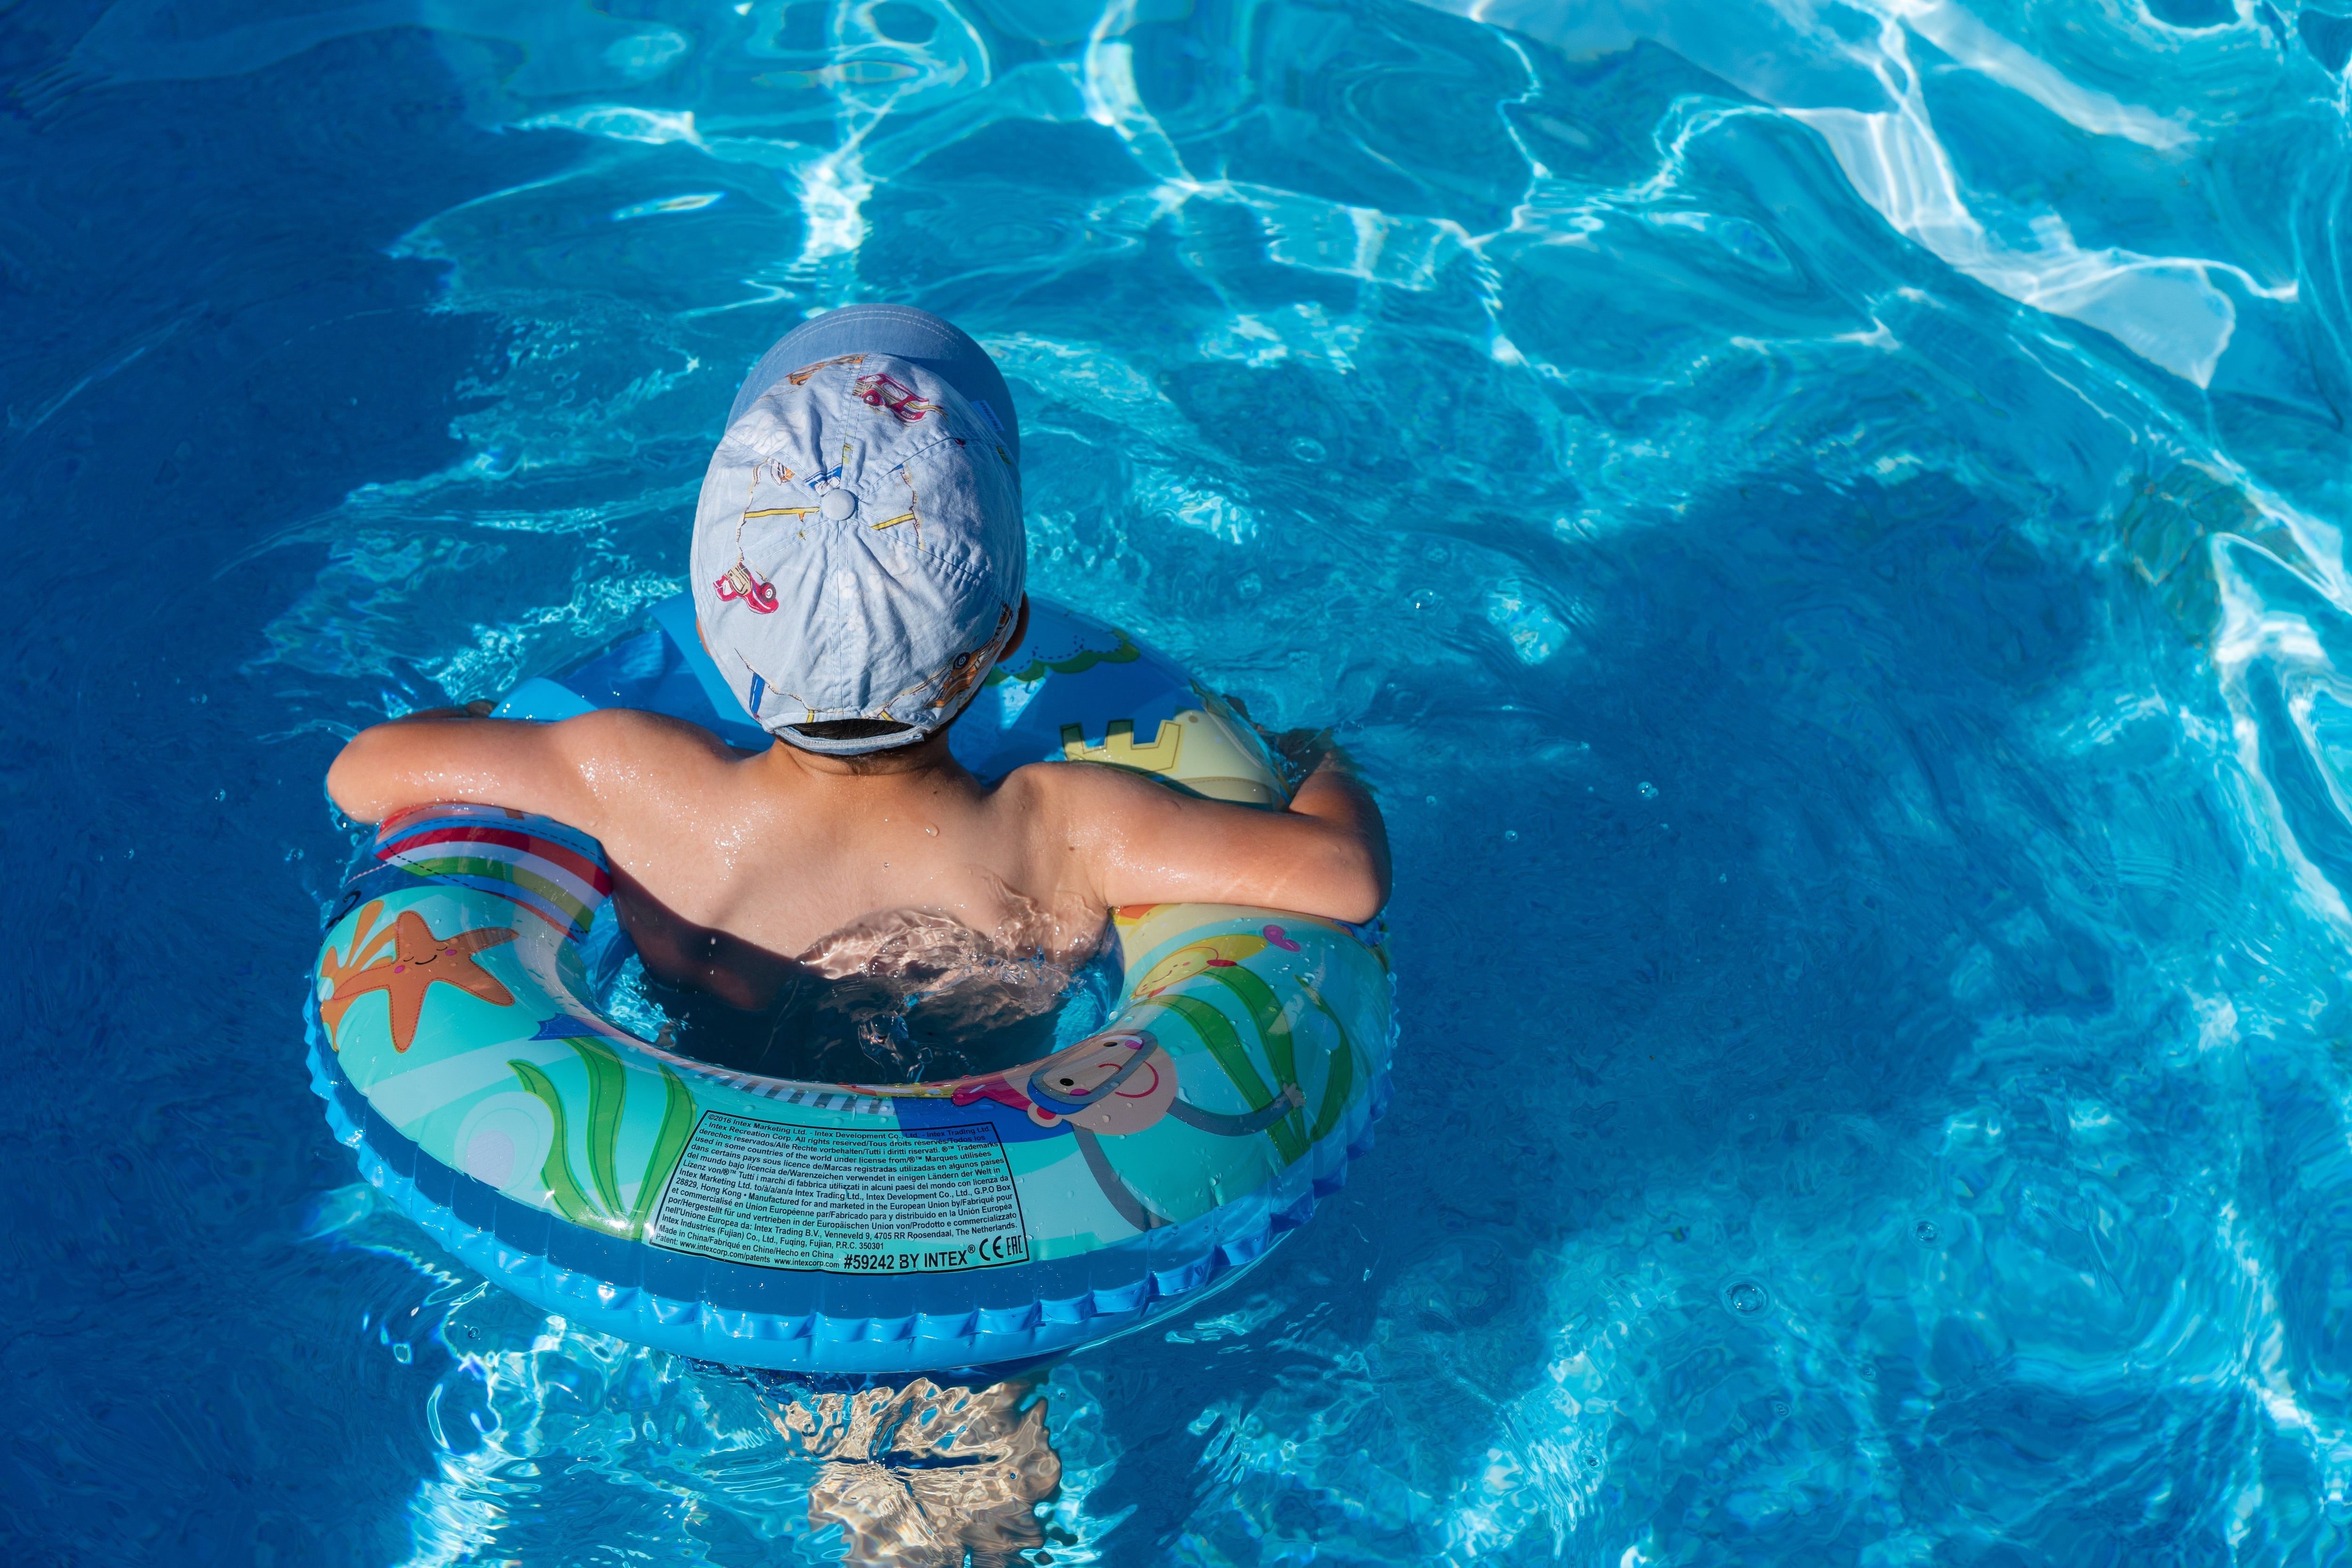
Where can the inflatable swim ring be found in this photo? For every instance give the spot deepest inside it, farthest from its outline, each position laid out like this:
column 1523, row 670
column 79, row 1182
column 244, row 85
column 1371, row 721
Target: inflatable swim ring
column 456, row 1038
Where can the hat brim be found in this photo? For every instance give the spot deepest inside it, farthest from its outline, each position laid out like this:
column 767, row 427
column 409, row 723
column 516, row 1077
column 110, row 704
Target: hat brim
column 936, row 344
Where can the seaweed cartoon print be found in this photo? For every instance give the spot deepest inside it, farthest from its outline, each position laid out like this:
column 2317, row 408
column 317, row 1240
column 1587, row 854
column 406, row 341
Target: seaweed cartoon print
column 1077, row 663
column 894, row 397
column 404, row 961
column 1280, row 1110
column 598, row 1206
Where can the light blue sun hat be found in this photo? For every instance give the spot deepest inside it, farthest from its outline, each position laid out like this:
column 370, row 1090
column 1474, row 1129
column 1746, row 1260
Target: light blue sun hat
column 858, row 550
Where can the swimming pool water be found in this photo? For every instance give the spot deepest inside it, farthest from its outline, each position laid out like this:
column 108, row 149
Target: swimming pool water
column 1825, row 521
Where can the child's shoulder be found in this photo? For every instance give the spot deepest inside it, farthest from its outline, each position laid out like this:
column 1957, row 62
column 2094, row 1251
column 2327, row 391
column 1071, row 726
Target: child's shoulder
column 636, row 735
column 1094, row 792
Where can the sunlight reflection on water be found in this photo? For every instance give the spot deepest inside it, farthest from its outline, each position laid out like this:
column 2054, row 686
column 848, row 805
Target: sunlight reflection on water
column 1825, row 524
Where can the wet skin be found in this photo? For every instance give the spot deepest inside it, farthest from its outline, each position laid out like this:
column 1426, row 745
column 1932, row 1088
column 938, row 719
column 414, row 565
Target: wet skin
column 724, row 862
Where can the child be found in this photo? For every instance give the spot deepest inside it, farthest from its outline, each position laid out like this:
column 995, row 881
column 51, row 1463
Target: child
column 858, row 563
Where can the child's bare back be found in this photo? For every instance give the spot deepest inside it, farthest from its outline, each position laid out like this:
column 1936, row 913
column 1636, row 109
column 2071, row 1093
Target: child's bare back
column 857, row 566
column 724, row 863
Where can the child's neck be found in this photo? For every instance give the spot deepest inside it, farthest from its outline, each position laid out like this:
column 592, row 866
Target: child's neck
column 899, row 765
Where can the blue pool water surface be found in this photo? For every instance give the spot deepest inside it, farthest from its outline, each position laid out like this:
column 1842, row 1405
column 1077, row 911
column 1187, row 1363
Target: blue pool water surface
column 1823, row 522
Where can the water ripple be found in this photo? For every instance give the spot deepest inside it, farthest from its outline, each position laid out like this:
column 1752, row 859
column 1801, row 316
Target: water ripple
column 1826, row 525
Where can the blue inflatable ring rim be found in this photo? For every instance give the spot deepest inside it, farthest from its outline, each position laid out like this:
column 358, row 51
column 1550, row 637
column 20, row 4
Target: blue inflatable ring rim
column 601, row 1282
column 556, row 1265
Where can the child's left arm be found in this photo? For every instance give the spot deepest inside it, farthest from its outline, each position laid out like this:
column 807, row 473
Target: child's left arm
column 1146, row 844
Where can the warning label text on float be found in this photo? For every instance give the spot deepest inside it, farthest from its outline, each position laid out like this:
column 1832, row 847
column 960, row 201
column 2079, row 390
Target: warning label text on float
column 841, row 1201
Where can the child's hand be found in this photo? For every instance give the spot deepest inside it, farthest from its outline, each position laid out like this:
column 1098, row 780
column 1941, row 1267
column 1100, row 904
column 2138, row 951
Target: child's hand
column 480, row 708
column 1306, row 753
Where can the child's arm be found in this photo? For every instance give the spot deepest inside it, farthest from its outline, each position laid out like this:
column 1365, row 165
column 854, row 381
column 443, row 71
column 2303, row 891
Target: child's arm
column 1145, row 844
column 569, row 771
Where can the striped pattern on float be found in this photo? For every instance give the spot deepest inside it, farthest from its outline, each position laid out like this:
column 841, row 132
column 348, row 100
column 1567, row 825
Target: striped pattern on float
column 558, row 877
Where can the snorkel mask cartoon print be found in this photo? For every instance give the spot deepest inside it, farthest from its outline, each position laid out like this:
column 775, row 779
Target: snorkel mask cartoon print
column 1115, row 1083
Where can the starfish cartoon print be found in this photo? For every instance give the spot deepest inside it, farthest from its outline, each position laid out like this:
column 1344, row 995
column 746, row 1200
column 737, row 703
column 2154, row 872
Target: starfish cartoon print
column 411, row 962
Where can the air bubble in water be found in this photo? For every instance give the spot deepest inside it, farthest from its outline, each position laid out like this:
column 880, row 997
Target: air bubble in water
column 1649, row 791
column 1926, row 1232
column 1745, row 1297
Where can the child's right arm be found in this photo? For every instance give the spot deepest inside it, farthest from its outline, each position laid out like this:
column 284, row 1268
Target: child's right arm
column 1138, row 842
column 579, row 771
